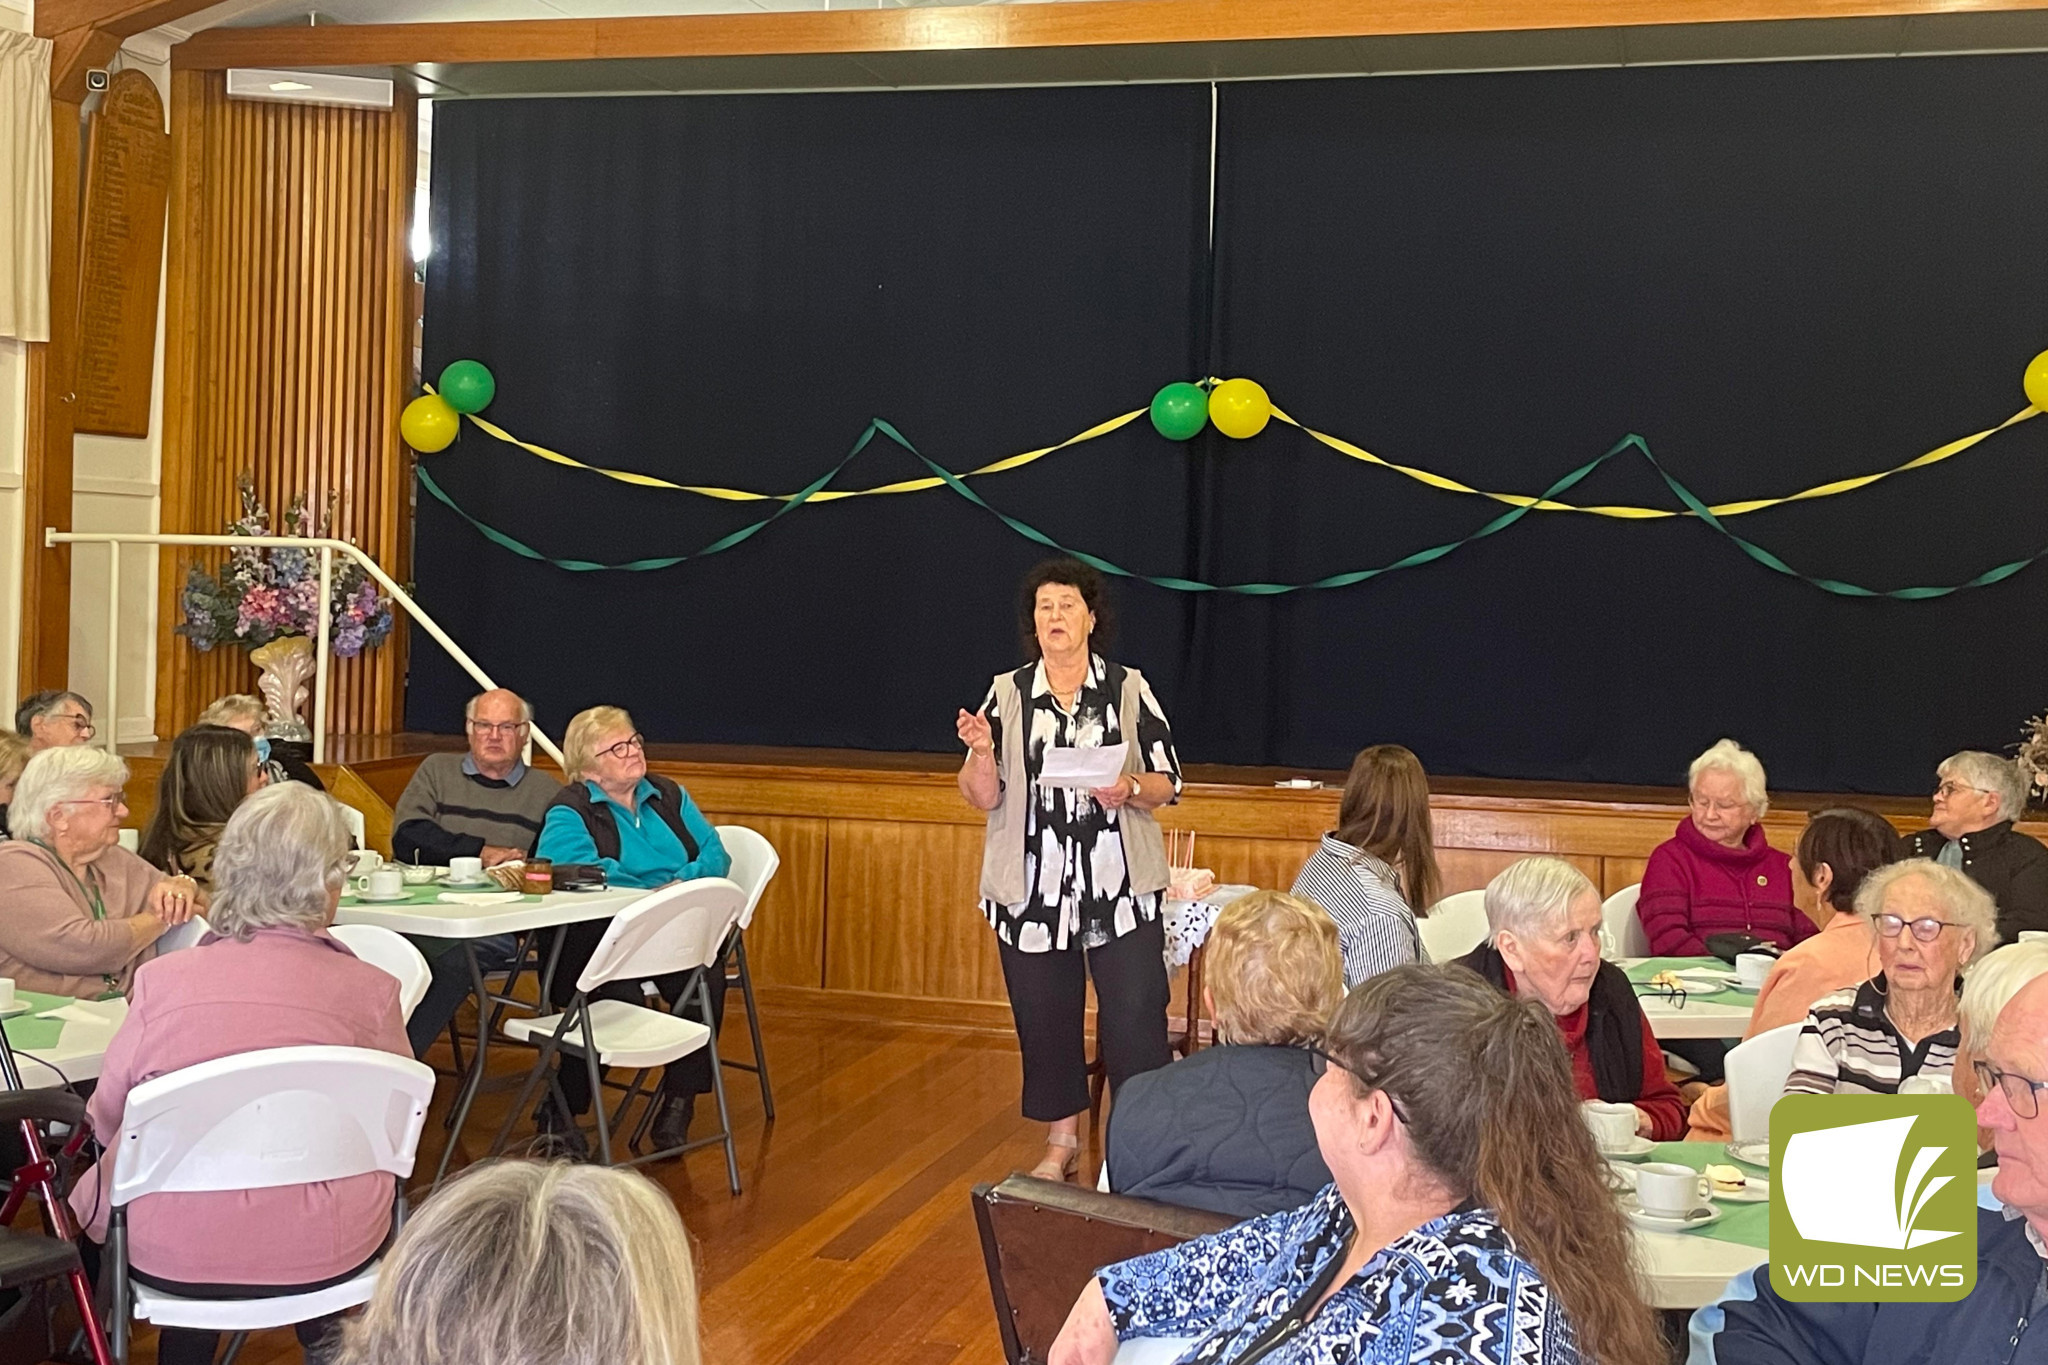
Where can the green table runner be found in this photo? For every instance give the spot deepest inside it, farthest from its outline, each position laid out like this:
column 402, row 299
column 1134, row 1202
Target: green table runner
column 431, row 895
column 1744, row 1224
column 27, row 1031
column 1641, row 972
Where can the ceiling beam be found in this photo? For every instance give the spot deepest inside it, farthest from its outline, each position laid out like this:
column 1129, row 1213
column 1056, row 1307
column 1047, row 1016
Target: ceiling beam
column 123, row 18
column 980, row 27
column 72, row 54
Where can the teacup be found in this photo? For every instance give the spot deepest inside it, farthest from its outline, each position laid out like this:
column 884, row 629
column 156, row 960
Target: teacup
column 1613, row 1125
column 383, row 883
column 1752, row 968
column 364, row 861
column 6, row 992
column 1665, row 1189
column 465, row 870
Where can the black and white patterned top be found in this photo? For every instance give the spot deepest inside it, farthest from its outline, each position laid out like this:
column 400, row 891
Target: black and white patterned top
column 1849, row 1046
column 1080, row 890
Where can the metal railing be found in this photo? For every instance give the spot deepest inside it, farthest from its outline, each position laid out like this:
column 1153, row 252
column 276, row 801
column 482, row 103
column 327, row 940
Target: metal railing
column 327, row 549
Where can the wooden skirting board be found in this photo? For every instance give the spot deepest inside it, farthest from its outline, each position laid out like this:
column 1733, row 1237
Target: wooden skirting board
column 873, row 913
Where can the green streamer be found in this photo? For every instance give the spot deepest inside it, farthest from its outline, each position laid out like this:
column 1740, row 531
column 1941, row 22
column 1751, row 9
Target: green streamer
column 878, row 427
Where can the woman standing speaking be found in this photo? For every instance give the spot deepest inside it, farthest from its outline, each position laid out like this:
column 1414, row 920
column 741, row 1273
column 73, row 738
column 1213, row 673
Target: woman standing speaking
column 1071, row 879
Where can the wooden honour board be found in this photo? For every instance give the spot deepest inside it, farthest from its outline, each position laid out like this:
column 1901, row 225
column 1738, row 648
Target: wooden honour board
column 127, row 187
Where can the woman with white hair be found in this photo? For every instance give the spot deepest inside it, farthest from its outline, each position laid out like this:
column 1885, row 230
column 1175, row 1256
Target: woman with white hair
column 1976, row 800
column 79, row 910
column 535, row 1261
column 1932, row 922
column 267, row 976
column 1717, row 874
column 1987, row 990
column 1543, row 926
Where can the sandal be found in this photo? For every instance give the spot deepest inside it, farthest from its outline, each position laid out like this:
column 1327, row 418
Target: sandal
column 1050, row 1169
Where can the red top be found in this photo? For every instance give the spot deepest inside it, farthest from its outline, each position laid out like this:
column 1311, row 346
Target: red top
column 1658, row 1098
column 1694, row 887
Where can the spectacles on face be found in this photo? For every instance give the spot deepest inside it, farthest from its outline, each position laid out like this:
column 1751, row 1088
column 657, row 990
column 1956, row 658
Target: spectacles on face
column 1320, row 1062
column 1952, row 788
column 1926, row 929
column 1706, row 807
column 112, row 803
column 2022, row 1094
column 508, row 728
column 77, row 723
column 627, row 747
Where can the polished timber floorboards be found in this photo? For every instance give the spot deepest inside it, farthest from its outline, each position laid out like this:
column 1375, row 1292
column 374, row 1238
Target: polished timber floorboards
column 852, row 1239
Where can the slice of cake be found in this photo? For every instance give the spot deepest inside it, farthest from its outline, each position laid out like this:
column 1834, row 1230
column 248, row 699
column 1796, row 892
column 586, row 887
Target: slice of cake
column 1726, row 1179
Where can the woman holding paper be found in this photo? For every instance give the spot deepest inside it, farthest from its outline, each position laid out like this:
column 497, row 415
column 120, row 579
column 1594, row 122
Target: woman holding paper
column 1073, row 863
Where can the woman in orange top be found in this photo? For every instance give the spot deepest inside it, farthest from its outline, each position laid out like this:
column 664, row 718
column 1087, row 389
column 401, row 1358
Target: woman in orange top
column 1837, row 850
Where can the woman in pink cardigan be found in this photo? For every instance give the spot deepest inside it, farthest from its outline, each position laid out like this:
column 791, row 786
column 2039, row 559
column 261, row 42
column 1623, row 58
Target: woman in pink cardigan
column 1717, row 874
column 268, row 976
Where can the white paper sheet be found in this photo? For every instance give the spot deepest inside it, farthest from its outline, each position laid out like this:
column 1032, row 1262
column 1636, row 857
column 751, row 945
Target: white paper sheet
column 1086, row 769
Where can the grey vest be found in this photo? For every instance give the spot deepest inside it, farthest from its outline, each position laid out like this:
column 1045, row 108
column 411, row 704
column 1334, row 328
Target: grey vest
column 1002, row 849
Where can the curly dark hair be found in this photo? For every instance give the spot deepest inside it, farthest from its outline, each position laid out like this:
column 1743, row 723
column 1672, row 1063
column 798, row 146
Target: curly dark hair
column 1072, row 573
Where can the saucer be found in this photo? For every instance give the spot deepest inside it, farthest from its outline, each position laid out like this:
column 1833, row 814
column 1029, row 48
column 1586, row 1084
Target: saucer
column 1756, row 1152
column 1636, row 1149
column 368, row 899
column 1741, row 989
column 1700, row 1217
column 454, row 885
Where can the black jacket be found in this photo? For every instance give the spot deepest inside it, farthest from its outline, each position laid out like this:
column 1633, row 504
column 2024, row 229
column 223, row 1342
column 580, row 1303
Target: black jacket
column 1751, row 1325
column 1614, row 1024
column 1225, row 1130
column 2013, row 867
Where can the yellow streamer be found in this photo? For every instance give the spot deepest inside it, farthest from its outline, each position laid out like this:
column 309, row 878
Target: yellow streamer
column 1338, row 444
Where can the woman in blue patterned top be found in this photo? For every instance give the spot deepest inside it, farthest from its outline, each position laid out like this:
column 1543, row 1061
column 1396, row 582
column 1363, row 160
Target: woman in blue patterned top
column 1469, row 1221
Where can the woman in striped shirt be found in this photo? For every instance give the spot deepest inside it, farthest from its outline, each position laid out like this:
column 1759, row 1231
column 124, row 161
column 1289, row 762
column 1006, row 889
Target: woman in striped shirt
column 1932, row 922
column 1378, row 870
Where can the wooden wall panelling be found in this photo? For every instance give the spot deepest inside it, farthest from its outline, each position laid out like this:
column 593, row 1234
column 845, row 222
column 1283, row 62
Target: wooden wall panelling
column 1470, row 869
column 786, row 942
column 1617, row 873
column 45, row 657
column 121, row 258
column 289, row 335
column 903, row 917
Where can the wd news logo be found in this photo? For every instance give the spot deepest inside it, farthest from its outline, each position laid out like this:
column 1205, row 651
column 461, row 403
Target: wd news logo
column 1873, row 1198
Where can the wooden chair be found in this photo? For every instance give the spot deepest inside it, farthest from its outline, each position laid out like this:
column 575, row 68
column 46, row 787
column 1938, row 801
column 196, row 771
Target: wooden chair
column 1044, row 1240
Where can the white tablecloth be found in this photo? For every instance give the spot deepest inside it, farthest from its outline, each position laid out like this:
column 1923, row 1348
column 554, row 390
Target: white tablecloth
column 1188, row 922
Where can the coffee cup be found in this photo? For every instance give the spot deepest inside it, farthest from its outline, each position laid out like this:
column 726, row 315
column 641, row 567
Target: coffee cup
column 383, row 883
column 6, row 992
column 1752, row 968
column 364, row 861
column 465, row 869
column 1666, row 1189
column 1613, row 1125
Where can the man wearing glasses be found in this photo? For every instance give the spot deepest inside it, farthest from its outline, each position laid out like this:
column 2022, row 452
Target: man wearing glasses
column 1978, row 797
column 482, row 804
column 2005, row 1318
column 54, row 720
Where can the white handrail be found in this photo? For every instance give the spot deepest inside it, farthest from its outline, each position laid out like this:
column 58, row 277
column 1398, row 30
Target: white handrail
column 52, row 538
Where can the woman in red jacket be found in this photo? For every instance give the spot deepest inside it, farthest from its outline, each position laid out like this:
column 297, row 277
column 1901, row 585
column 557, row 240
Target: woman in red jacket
column 1717, row 875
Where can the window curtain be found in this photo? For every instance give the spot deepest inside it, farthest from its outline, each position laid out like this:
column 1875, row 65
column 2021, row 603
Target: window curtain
column 24, row 187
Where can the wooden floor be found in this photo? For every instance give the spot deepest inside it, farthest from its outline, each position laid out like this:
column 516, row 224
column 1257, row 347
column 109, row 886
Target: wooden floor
column 852, row 1239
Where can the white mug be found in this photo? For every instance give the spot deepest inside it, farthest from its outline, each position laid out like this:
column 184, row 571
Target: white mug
column 1613, row 1125
column 382, row 882
column 6, row 992
column 1669, row 1190
column 1752, row 968
column 465, row 869
column 364, row 861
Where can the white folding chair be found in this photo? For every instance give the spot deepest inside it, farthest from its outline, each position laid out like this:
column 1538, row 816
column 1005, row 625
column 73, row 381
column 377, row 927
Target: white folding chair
column 182, row 935
column 1757, row 1070
column 754, row 863
column 388, row 952
column 260, row 1120
column 676, row 929
column 1624, row 932
column 1454, row 926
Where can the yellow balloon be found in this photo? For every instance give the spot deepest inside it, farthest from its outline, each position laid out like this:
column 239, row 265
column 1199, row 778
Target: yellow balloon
column 428, row 424
column 1239, row 407
column 2036, row 381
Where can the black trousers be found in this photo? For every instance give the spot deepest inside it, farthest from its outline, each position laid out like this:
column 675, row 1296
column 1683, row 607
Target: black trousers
column 1049, row 1001
column 689, row 1075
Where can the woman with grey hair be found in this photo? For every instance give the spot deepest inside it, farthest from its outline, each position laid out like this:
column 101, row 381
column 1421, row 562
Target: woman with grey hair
column 1932, row 922
column 1717, row 873
column 1987, row 990
column 267, row 976
column 1543, row 944
column 1977, row 798
column 535, row 1261
column 80, row 910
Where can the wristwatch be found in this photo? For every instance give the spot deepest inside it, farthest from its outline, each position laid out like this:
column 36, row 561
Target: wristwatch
column 1137, row 787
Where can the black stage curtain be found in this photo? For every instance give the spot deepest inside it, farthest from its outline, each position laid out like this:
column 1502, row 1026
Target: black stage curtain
column 1776, row 274
column 723, row 291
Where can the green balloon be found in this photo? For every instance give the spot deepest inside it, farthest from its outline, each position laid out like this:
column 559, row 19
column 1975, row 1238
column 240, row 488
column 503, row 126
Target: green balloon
column 468, row 386
column 1180, row 411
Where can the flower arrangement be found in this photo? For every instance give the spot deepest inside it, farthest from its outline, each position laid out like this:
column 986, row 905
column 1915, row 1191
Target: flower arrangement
column 2033, row 753
column 268, row 594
